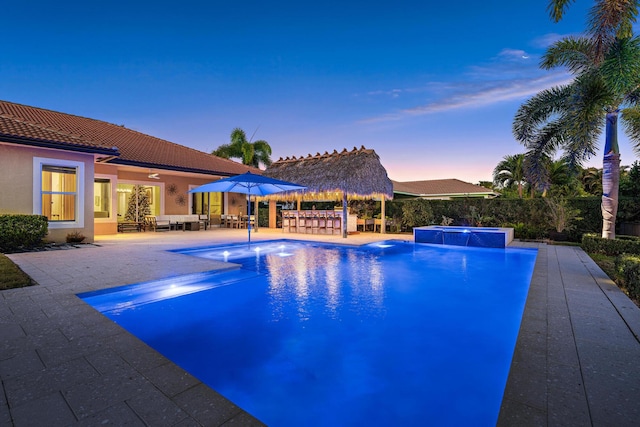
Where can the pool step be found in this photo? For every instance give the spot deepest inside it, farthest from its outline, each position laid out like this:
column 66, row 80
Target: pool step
column 129, row 296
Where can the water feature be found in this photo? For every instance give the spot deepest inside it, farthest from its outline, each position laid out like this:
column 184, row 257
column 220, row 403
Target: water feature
column 484, row 237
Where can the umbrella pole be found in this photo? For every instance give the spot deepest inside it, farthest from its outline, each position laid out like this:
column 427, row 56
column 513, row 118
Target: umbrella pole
column 249, row 220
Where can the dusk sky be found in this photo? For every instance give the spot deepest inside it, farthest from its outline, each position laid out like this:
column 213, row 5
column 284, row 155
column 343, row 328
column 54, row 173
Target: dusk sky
column 431, row 86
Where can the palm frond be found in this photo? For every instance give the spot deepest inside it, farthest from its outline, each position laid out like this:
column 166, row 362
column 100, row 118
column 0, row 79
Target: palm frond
column 612, row 18
column 225, row 151
column 575, row 53
column 538, row 110
column 630, row 118
column 557, row 8
column 621, row 66
column 537, row 170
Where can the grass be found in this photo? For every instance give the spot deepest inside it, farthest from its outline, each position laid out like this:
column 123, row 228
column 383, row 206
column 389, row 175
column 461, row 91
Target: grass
column 11, row 276
column 607, row 264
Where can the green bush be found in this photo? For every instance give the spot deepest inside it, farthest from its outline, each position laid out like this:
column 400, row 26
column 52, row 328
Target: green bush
column 628, row 268
column 22, row 231
column 500, row 212
column 592, row 243
column 416, row 213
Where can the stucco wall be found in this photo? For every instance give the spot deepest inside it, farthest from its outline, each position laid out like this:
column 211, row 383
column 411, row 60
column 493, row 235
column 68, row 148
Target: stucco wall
column 16, row 180
column 16, row 185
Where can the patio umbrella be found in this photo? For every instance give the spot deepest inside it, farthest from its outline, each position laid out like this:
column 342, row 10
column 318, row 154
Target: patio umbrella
column 250, row 184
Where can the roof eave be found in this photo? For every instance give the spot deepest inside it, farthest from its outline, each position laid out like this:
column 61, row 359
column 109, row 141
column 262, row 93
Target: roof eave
column 58, row 145
column 118, row 161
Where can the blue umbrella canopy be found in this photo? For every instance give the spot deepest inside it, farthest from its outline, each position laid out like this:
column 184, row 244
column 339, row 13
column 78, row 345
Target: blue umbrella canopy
column 251, row 184
column 248, row 183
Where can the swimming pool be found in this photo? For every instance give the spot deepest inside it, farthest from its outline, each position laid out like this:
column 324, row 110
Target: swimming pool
column 393, row 333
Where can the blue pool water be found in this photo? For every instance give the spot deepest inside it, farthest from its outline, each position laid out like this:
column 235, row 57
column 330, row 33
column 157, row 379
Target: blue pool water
column 307, row 334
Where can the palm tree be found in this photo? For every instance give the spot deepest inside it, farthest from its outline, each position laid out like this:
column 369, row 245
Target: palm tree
column 572, row 117
column 510, row 172
column 251, row 153
column 608, row 20
column 591, row 179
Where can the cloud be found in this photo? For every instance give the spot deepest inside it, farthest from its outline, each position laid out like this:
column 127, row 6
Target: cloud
column 513, row 74
column 475, row 95
column 543, row 42
column 513, row 54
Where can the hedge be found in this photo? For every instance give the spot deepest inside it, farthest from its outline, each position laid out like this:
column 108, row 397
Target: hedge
column 628, row 268
column 592, row 243
column 528, row 217
column 22, row 231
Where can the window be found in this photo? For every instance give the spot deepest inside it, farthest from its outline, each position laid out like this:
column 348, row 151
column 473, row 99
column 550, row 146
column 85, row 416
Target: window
column 101, row 198
column 59, row 192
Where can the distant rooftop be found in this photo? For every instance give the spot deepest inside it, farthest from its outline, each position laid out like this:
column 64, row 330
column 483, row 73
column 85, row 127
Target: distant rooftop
column 441, row 188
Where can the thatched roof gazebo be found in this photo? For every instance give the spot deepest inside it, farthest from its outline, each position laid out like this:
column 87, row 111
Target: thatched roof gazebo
column 348, row 174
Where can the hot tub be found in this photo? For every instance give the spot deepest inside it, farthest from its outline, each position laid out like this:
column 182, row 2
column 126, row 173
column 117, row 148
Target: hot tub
column 486, row 237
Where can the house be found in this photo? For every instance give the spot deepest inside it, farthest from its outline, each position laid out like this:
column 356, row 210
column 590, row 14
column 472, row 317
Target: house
column 441, row 189
column 82, row 173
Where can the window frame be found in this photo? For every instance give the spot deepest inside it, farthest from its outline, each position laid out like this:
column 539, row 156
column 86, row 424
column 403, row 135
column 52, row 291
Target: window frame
column 113, row 214
column 38, row 163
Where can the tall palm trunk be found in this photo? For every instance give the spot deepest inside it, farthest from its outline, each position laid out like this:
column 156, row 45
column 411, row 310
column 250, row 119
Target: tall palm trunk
column 610, row 177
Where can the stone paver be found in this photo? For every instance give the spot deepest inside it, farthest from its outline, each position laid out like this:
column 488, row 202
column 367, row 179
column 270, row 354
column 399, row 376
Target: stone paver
column 63, row 363
column 589, row 372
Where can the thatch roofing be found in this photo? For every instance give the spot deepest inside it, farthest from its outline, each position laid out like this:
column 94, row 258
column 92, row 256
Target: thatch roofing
column 359, row 173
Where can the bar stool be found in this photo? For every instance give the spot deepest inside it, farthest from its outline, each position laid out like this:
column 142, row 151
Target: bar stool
column 337, row 224
column 315, row 222
column 329, row 226
column 308, row 223
column 322, row 222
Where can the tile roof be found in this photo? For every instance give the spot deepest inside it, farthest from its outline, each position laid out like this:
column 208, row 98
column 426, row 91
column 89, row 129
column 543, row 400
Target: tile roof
column 438, row 187
column 36, row 126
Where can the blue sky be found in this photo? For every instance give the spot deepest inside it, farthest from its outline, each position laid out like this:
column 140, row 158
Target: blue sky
column 432, row 87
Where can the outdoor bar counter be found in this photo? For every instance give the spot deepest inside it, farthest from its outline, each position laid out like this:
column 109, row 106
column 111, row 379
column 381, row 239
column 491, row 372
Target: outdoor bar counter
column 316, row 222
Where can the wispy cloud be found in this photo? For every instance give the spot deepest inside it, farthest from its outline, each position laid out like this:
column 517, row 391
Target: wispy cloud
column 543, row 42
column 478, row 95
column 513, row 74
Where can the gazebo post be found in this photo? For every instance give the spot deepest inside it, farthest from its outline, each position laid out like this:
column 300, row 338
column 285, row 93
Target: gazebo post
column 344, row 214
column 273, row 223
column 383, row 218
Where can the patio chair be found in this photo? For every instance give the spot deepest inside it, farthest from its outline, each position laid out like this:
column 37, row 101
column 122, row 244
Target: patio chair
column 159, row 224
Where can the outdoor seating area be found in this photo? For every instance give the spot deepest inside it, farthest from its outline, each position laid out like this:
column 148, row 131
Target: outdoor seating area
column 312, row 222
column 173, row 222
column 237, row 221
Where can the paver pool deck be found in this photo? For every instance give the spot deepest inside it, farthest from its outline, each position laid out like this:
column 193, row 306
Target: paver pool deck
column 576, row 362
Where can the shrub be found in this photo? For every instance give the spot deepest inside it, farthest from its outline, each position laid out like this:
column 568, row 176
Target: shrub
column 562, row 216
column 22, row 231
column 75, row 237
column 592, row 243
column 416, row 213
column 628, row 269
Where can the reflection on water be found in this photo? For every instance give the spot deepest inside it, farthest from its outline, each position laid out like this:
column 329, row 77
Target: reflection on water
column 320, row 277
